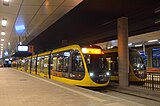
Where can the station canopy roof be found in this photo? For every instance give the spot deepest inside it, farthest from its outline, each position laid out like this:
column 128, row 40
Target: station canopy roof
column 21, row 54
column 47, row 24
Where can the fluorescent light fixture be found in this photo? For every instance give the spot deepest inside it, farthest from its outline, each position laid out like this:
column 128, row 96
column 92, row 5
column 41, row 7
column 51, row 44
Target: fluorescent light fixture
column 6, row 59
column 20, row 28
column 155, row 40
column 4, row 22
column 157, row 10
column 6, row 2
column 9, row 43
column 108, row 47
column 1, row 44
column 158, row 42
column 129, row 44
column 3, row 33
column 1, row 47
column 2, row 39
column 138, row 45
column 155, row 49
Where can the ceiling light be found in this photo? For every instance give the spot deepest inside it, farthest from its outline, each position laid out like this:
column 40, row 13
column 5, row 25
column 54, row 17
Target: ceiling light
column 9, row 43
column 157, row 10
column 20, row 43
column 4, row 22
column 3, row 33
column 138, row 45
column 2, row 39
column 6, row 2
column 108, row 47
column 129, row 44
column 1, row 47
column 158, row 42
column 1, row 44
column 153, row 40
column 20, row 28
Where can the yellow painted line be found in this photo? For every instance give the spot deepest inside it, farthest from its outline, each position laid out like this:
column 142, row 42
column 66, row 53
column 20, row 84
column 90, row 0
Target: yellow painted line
column 69, row 89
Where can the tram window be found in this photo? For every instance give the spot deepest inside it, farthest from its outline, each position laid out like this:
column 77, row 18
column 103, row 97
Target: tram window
column 63, row 61
column 42, row 63
column 88, row 60
column 113, row 62
column 66, row 64
column 38, row 62
column 77, row 63
column 54, row 63
column 59, row 63
column 46, row 61
column 33, row 64
column 29, row 63
column 26, row 64
column 109, row 63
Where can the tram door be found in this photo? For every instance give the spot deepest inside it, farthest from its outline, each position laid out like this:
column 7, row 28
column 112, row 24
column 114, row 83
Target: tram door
column 42, row 65
column 112, row 59
column 46, row 59
column 33, row 65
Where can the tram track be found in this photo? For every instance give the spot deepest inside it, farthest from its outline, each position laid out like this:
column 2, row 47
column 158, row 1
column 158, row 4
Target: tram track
column 130, row 94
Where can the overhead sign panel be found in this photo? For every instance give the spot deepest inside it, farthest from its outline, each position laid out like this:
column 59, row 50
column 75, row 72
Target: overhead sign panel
column 22, row 48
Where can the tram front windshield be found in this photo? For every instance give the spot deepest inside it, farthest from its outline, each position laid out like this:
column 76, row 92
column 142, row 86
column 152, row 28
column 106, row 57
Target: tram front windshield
column 96, row 63
column 136, row 61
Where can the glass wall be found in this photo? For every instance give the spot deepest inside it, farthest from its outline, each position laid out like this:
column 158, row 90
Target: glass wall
column 156, row 57
column 144, row 57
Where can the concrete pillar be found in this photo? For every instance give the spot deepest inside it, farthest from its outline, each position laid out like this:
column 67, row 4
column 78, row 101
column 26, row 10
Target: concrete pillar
column 149, row 56
column 144, row 49
column 123, row 54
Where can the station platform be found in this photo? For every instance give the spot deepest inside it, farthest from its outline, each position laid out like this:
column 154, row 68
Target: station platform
column 22, row 89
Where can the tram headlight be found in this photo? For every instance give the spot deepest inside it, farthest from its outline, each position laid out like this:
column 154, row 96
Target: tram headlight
column 107, row 74
column 91, row 74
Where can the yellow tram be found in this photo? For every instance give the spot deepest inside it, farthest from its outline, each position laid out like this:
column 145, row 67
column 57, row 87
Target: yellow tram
column 137, row 69
column 76, row 65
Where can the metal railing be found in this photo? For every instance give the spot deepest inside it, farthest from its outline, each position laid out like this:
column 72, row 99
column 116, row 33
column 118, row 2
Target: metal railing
column 152, row 82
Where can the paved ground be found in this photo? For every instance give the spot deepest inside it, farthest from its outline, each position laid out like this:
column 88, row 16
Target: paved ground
column 22, row 89
column 138, row 92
